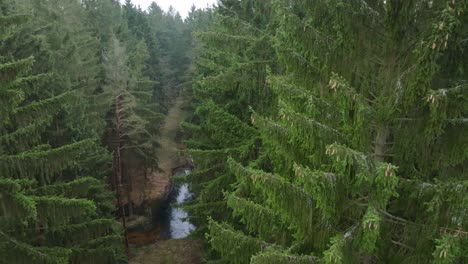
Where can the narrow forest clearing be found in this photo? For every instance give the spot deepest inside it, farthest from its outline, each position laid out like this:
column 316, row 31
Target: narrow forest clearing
column 156, row 188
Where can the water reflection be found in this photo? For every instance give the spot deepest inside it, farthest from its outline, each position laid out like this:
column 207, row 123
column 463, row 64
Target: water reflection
column 180, row 226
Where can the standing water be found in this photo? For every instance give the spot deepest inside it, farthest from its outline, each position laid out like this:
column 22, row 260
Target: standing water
column 180, row 226
column 173, row 219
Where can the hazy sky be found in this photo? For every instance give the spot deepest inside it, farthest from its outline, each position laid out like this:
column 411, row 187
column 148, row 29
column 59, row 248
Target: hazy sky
column 183, row 6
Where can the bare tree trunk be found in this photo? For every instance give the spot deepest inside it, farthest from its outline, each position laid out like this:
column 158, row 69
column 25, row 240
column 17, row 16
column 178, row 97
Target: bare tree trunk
column 129, row 190
column 118, row 178
column 380, row 146
column 380, row 151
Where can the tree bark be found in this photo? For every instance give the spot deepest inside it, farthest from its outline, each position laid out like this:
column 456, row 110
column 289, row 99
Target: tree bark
column 118, row 177
column 129, row 193
column 380, row 151
column 380, row 147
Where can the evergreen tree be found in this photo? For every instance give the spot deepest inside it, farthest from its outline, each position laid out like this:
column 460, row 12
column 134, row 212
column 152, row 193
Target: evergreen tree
column 365, row 161
column 174, row 42
column 132, row 121
column 231, row 60
column 76, row 77
column 52, row 211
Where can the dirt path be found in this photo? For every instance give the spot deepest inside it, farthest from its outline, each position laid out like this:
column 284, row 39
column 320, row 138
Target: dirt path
column 157, row 184
column 173, row 251
column 167, row 154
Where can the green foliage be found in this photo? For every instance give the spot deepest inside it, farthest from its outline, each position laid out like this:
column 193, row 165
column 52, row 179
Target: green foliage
column 359, row 112
column 75, row 78
column 257, row 219
column 47, row 137
column 334, row 254
column 233, row 245
column 14, row 203
column 370, row 230
column 321, row 186
column 297, row 209
column 447, row 249
column 44, row 164
column 283, row 258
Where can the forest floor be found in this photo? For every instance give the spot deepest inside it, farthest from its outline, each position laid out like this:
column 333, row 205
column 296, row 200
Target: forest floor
column 157, row 185
column 172, row 251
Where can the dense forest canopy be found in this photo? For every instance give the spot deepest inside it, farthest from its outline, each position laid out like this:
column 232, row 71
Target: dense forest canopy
column 332, row 131
column 328, row 131
column 79, row 82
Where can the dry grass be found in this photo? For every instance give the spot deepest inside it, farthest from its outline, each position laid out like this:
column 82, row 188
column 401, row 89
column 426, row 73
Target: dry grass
column 174, row 251
column 157, row 185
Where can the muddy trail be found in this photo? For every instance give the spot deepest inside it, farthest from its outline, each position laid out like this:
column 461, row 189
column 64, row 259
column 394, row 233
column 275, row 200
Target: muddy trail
column 152, row 245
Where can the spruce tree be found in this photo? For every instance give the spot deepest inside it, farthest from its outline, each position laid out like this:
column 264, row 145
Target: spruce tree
column 365, row 161
column 52, row 212
column 132, row 121
column 231, row 59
